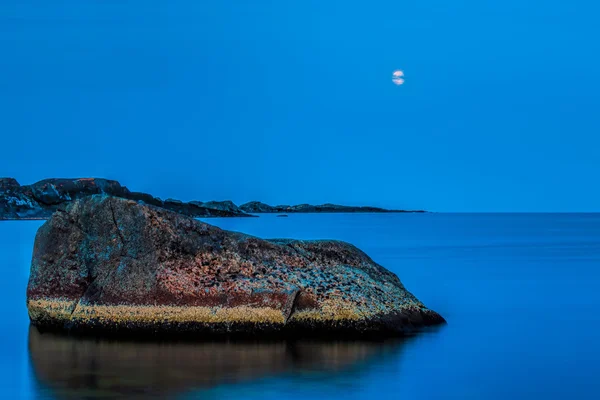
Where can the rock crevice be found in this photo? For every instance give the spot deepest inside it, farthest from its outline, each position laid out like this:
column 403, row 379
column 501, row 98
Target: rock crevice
column 114, row 219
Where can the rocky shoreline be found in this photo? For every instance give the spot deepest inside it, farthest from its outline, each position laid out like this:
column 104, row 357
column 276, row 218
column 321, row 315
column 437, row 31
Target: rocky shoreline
column 114, row 266
column 41, row 199
column 257, row 207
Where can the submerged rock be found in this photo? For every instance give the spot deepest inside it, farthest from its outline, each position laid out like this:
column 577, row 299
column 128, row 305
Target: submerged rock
column 114, row 265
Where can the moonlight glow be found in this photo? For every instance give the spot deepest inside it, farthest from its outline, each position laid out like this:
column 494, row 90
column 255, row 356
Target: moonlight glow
column 397, row 77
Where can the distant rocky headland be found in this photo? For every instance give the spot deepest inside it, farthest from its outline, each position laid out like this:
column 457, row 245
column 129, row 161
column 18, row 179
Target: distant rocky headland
column 256, row 207
column 41, row 199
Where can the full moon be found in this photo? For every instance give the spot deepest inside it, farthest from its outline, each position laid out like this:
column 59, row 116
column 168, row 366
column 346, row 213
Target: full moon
column 397, row 77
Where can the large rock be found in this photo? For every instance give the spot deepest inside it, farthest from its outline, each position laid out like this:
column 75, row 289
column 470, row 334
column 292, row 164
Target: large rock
column 114, row 265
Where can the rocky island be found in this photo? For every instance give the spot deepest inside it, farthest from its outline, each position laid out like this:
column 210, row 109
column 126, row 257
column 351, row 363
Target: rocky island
column 257, row 207
column 112, row 265
column 41, row 199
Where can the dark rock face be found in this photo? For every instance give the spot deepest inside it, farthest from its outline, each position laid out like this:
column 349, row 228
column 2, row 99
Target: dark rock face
column 17, row 205
column 256, row 207
column 8, row 183
column 56, row 191
column 113, row 265
column 145, row 198
column 41, row 199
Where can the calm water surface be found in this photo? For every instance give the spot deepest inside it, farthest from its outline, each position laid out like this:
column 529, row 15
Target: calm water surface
column 519, row 291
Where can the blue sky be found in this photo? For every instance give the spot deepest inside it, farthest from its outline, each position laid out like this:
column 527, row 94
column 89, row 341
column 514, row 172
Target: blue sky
column 292, row 102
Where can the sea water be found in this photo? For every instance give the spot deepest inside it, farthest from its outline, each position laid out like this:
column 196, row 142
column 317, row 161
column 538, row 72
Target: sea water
column 520, row 293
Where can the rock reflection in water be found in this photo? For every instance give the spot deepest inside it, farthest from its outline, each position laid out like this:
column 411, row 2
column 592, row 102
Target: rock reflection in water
column 73, row 367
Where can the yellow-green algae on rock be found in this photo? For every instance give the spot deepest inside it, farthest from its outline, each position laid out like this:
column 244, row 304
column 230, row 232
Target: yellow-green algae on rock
column 114, row 265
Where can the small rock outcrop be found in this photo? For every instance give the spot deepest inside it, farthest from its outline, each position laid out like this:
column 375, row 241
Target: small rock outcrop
column 41, row 199
column 226, row 205
column 107, row 264
column 256, row 207
column 8, row 184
